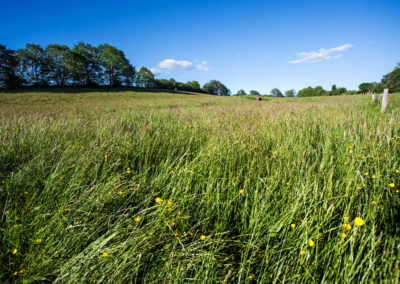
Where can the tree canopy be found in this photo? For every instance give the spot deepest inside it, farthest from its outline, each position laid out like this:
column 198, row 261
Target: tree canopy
column 215, row 87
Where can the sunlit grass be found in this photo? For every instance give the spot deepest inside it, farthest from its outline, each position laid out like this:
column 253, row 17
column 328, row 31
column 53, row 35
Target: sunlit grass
column 162, row 187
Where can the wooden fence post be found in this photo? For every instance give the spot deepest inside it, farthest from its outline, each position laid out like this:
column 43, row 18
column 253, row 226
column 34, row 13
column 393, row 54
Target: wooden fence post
column 373, row 98
column 385, row 99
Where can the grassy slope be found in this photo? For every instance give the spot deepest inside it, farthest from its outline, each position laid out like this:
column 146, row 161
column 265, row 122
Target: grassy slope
column 298, row 161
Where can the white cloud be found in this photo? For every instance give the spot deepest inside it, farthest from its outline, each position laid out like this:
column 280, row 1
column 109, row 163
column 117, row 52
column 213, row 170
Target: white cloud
column 321, row 54
column 171, row 64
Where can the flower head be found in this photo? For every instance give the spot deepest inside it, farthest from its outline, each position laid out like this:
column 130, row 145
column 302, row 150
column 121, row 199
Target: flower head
column 104, row 254
column 241, row 191
column 251, row 276
column 169, row 203
column 347, row 227
column 70, row 226
column 302, row 252
column 311, row 243
column 359, row 222
column 137, row 219
column 346, row 218
column 293, row 226
column 14, row 251
column 373, row 202
column 202, row 237
column 38, row 241
column 159, row 200
column 343, row 235
column 391, row 185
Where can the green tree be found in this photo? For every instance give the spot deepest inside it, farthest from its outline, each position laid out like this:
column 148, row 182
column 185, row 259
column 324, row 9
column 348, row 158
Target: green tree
column 8, row 66
column 393, row 79
column 85, row 65
column 117, row 67
column 255, row 93
column 241, row 92
column 192, row 86
column 366, row 87
column 145, row 78
column 290, row 93
column 60, row 59
column 215, row 87
column 276, row 92
column 34, row 65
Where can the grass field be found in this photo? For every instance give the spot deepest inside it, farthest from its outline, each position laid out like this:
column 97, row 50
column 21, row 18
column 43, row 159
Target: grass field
column 160, row 187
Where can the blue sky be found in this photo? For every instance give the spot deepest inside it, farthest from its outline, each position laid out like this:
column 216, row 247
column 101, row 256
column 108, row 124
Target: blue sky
column 244, row 44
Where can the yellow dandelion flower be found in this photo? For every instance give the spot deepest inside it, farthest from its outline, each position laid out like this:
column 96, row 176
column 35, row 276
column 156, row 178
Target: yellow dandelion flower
column 251, row 276
column 137, row 219
column 184, row 234
column 159, row 200
column 169, row 203
column 25, row 192
column 38, row 241
column 126, row 215
column 359, row 187
column 346, row 218
column 293, row 226
column 169, row 209
column 359, row 222
column 302, row 252
column 21, row 271
column 365, row 174
column 17, row 218
column 343, row 235
column 104, row 254
column 241, row 191
column 311, row 243
column 373, row 176
column 106, row 157
column 373, row 202
column 70, row 226
column 172, row 223
column 172, row 172
column 6, row 213
column 202, row 237
column 345, row 163
column 15, row 273
column 178, row 213
column 351, row 151
column 397, row 191
column 120, row 193
column 397, row 171
column 14, row 251
column 391, row 185
column 347, row 227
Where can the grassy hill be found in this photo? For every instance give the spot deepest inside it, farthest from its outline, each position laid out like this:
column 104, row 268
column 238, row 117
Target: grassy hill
column 183, row 187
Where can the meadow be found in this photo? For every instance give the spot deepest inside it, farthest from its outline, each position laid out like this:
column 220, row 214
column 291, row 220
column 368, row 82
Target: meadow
column 153, row 187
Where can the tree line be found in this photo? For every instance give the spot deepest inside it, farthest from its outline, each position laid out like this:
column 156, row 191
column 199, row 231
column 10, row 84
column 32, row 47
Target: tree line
column 84, row 65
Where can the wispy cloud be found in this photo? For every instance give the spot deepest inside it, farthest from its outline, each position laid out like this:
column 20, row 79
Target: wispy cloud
column 171, row 64
column 321, row 54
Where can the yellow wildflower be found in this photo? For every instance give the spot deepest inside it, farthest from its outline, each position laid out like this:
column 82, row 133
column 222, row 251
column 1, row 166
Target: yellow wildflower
column 397, row 171
column 169, row 209
column 241, row 191
column 126, row 215
column 251, row 276
column 373, row 176
column 293, row 226
column 128, row 170
column 373, row 202
column 38, row 241
column 70, row 226
column 365, row 174
column 343, row 235
column 345, row 163
column 311, row 243
column 172, row 223
column 302, row 252
column 359, row 187
column 120, row 193
column 169, row 203
column 6, row 213
column 159, row 200
column 15, row 273
column 106, row 157
column 14, row 251
column 178, row 213
column 104, row 254
column 347, row 227
column 391, row 185
column 359, row 222
column 25, row 192
column 17, row 218
column 202, row 237
column 137, row 219
column 351, row 151
column 21, row 271
column 346, row 218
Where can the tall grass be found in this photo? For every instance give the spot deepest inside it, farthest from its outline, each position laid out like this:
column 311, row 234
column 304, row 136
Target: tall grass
column 81, row 173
